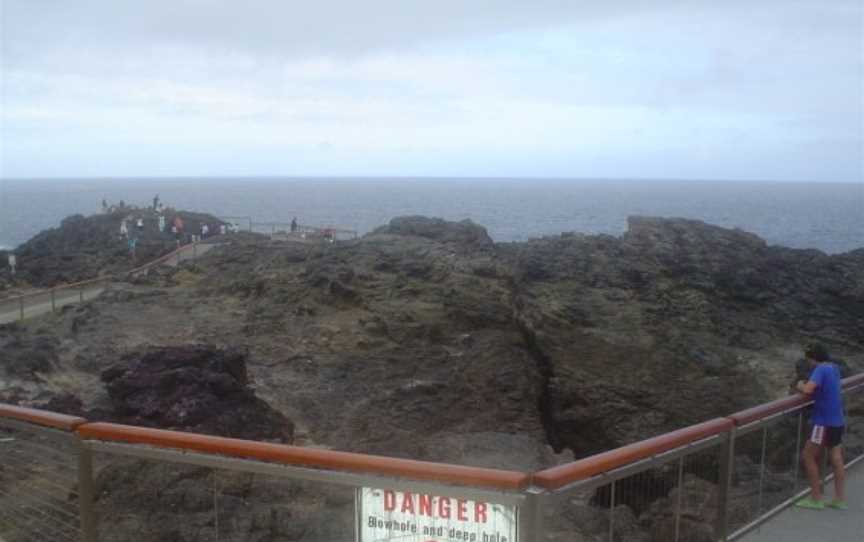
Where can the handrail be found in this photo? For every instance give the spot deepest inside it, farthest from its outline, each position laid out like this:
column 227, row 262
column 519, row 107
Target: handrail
column 582, row 469
column 549, row 479
column 768, row 409
column 104, row 278
column 41, row 417
column 765, row 410
column 310, row 457
column 852, row 381
column 160, row 259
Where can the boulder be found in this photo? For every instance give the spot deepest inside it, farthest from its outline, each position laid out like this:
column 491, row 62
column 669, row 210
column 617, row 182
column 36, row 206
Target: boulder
column 195, row 388
column 465, row 233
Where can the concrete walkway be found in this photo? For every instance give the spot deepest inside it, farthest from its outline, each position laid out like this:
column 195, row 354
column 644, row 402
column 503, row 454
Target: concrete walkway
column 34, row 305
column 799, row 525
column 61, row 299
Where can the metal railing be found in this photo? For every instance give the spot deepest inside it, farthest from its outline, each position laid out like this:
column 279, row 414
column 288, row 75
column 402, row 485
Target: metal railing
column 283, row 231
column 35, row 303
column 717, row 480
column 712, row 481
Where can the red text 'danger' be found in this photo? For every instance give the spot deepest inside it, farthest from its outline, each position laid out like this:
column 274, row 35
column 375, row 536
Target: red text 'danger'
column 418, row 504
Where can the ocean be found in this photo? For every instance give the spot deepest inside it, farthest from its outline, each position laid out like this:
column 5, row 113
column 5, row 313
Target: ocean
column 824, row 216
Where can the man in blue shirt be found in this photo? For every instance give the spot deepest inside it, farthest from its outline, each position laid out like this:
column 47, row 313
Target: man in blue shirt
column 825, row 388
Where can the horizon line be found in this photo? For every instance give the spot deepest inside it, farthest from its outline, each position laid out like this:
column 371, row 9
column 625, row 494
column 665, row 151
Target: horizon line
column 275, row 177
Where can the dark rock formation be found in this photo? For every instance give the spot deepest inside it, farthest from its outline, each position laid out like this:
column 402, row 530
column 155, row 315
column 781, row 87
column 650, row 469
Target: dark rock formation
column 465, row 233
column 425, row 340
column 674, row 310
column 82, row 248
column 193, row 388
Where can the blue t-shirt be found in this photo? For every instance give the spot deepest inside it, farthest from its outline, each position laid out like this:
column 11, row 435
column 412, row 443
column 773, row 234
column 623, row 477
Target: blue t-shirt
column 827, row 402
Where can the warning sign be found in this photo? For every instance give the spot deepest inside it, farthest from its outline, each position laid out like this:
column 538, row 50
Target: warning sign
column 385, row 515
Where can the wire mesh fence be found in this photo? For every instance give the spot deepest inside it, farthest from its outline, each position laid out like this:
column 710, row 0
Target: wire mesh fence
column 38, row 485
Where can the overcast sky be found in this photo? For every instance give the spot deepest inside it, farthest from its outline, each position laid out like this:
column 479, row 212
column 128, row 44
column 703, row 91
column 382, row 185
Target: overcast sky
column 735, row 89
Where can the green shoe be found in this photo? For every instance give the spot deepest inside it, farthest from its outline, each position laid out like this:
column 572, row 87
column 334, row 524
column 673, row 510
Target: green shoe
column 811, row 503
column 839, row 505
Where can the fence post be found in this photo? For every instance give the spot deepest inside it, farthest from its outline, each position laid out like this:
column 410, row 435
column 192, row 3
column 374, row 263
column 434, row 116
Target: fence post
column 530, row 520
column 727, row 468
column 21, row 305
column 194, row 252
column 86, row 495
column 53, row 302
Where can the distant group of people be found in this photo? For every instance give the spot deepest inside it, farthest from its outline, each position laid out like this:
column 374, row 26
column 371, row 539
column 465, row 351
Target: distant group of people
column 132, row 226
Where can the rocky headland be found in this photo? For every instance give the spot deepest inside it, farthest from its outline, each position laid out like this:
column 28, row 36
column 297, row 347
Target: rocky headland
column 83, row 248
column 425, row 339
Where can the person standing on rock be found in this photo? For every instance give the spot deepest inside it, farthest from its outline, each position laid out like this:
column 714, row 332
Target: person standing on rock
column 12, row 263
column 828, row 423
column 294, row 224
column 133, row 243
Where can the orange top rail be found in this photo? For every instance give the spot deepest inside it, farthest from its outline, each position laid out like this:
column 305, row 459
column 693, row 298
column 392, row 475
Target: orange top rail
column 768, row 409
column 582, row 469
column 41, row 417
column 309, row 457
column 550, row 479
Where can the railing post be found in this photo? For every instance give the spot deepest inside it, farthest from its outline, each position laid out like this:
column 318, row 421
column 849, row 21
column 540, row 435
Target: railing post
column 86, row 495
column 727, row 467
column 531, row 516
column 21, row 305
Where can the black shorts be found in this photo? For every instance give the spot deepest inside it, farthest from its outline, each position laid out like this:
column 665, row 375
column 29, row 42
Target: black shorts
column 827, row 436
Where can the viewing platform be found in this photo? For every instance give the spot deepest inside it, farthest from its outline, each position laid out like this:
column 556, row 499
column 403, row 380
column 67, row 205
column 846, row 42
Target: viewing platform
column 710, row 481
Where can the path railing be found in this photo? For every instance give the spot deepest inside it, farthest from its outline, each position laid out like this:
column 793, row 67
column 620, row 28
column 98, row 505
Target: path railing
column 712, row 481
column 66, row 294
column 78, row 292
column 283, row 231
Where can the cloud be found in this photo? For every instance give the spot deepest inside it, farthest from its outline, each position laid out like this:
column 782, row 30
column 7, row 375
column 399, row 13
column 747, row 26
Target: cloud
column 384, row 83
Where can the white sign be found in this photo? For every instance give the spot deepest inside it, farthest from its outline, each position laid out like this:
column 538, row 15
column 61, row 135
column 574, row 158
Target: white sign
column 386, row 515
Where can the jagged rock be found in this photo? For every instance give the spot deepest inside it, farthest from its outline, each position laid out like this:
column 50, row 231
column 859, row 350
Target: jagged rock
column 465, row 232
column 82, row 248
column 698, row 513
column 418, row 341
column 27, row 356
column 196, row 388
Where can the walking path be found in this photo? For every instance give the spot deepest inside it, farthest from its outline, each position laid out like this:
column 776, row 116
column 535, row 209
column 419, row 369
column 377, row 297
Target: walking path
column 829, row 525
column 12, row 312
column 40, row 303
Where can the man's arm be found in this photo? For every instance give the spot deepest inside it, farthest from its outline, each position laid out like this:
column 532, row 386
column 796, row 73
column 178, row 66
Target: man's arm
column 806, row 388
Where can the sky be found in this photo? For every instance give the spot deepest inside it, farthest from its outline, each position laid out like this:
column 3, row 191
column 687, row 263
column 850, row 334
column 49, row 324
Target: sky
column 682, row 89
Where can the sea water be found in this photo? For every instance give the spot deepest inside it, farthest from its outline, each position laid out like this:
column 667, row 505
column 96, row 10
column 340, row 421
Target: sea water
column 824, row 216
